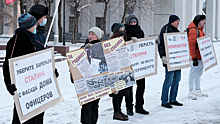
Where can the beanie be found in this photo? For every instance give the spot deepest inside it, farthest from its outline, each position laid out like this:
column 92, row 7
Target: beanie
column 26, row 21
column 98, row 32
column 38, row 11
column 116, row 26
column 198, row 18
column 173, row 18
column 133, row 20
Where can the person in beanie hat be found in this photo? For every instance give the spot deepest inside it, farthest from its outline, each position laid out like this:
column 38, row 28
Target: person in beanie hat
column 196, row 70
column 172, row 78
column 133, row 30
column 40, row 12
column 22, row 43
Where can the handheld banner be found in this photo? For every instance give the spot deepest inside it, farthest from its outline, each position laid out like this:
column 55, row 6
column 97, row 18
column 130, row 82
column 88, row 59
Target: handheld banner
column 37, row 87
column 101, row 69
column 207, row 52
column 143, row 55
column 177, row 50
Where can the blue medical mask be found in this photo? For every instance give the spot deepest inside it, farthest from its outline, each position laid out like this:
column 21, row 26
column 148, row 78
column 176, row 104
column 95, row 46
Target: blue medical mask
column 35, row 31
column 44, row 22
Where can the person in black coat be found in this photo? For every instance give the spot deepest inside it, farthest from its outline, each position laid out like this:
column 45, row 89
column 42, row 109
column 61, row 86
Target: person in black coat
column 89, row 111
column 172, row 78
column 134, row 30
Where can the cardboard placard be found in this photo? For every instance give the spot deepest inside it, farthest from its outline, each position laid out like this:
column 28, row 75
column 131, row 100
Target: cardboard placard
column 37, row 87
column 177, row 50
column 143, row 55
column 207, row 52
column 101, row 69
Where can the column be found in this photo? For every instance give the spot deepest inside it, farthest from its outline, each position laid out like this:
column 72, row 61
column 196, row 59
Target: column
column 56, row 30
column 210, row 17
column 217, row 25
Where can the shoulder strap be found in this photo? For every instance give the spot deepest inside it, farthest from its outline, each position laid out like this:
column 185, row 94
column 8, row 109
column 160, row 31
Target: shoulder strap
column 166, row 29
column 14, row 45
column 197, row 31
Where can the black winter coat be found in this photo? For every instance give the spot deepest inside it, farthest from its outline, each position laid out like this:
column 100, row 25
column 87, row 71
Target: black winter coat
column 133, row 31
column 168, row 28
column 40, row 37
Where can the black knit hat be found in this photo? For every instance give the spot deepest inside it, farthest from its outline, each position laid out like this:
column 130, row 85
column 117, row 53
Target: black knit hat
column 116, row 26
column 26, row 21
column 173, row 18
column 38, row 11
column 198, row 18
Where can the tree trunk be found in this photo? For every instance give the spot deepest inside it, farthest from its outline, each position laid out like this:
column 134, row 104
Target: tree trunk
column 22, row 6
column 125, row 11
column 105, row 12
column 59, row 23
column 75, row 27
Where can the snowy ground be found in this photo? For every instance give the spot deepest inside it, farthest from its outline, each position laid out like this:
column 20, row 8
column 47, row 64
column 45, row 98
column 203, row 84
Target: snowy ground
column 200, row 111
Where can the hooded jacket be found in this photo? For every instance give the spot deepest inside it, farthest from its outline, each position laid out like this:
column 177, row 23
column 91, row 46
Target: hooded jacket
column 133, row 30
column 192, row 38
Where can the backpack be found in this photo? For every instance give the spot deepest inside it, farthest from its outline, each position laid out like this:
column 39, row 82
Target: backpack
column 197, row 34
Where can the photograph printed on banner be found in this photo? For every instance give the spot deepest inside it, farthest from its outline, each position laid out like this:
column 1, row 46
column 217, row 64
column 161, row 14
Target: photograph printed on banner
column 128, row 78
column 96, row 58
column 109, row 80
column 95, row 84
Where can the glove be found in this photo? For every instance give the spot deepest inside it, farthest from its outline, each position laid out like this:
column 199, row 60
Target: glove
column 11, row 89
column 56, row 73
column 164, row 60
column 195, row 62
column 158, row 41
column 88, row 45
column 116, row 92
column 134, row 39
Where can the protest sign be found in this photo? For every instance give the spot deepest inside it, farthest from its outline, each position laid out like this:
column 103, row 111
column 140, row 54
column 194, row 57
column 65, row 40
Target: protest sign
column 177, row 50
column 143, row 55
column 101, row 69
column 37, row 87
column 207, row 52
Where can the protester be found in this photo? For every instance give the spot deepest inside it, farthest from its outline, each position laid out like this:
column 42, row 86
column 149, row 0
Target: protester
column 172, row 78
column 196, row 31
column 89, row 111
column 133, row 30
column 118, row 30
column 40, row 12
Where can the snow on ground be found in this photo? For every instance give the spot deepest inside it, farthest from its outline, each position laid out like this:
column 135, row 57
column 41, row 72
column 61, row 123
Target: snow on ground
column 200, row 111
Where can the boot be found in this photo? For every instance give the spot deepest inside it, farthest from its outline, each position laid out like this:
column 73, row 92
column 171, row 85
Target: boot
column 142, row 111
column 130, row 112
column 120, row 116
column 199, row 93
column 192, row 95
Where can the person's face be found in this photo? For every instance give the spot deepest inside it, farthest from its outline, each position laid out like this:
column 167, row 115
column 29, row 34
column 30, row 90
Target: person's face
column 41, row 20
column 202, row 23
column 176, row 23
column 32, row 29
column 133, row 23
column 121, row 29
column 92, row 36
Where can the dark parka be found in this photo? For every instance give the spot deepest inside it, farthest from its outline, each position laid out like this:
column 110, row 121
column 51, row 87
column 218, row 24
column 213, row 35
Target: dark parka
column 168, row 28
column 40, row 37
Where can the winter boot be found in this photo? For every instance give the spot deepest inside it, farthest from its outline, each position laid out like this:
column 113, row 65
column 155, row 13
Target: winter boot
column 199, row 93
column 192, row 95
column 130, row 112
column 120, row 116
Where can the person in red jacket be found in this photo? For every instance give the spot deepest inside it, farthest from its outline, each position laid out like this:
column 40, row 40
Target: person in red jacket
column 195, row 31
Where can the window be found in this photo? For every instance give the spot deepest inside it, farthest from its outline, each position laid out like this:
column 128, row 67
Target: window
column 100, row 0
column 99, row 22
column 71, row 24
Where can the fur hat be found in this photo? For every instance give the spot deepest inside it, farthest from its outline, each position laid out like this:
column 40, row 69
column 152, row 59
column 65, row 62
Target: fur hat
column 38, row 11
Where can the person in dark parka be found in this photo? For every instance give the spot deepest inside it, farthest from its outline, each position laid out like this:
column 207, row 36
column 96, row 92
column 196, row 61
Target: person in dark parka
column 172, row 78
column 134, row 30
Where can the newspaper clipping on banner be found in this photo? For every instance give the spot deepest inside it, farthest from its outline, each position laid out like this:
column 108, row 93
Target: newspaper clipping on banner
column 101, row 69
column 177, row 50
column 143, row 55
column 36, row 83
column 207, row 52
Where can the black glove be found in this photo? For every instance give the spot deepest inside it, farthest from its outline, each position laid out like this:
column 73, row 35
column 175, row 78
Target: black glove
column 56, row 73
column 195, row 62
column 11, row 89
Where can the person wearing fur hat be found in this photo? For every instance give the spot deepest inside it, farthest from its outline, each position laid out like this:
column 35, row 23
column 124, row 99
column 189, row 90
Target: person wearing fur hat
column 22, row 43
column 89, row 111
column 40, row 12
column 196, row 70
column 133, row 30
column 118, row 30
column 172, row 78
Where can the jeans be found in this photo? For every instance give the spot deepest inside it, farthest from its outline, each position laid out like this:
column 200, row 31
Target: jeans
column 171, row 82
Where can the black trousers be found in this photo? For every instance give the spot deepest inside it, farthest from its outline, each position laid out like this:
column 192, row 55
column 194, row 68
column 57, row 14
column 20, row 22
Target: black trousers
column 116, row 101
column 139, row 95
column 89, row 112
column 39, row 119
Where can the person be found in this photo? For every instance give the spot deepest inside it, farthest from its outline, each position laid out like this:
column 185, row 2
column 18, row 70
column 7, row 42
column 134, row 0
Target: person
column 22, row 42
column 40, row 12
column 89, row 111
column 118, row 30
column 172, row 78
column 195, row 29
column 134, row 30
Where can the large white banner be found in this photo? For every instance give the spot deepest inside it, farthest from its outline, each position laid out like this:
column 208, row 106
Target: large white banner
column 177, row 50
column 207, row 52
column 37, row 88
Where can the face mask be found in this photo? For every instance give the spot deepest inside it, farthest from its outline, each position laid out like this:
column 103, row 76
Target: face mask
column 44, row 22
column 35, row 31
column 121, row 33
